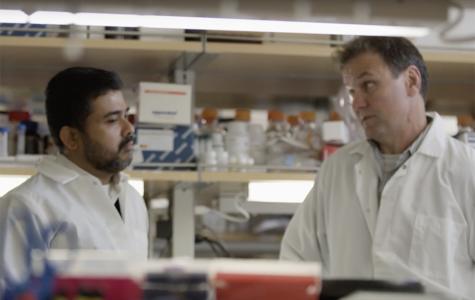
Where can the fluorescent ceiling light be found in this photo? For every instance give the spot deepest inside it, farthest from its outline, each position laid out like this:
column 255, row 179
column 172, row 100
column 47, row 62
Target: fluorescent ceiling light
column 52, row 17
column 99, row 19
column 223, row 24
column 288, row 191
column 279, row 26
column 13, row 16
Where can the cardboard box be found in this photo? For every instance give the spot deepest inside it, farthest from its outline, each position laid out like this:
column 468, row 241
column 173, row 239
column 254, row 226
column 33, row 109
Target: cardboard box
column 165, row 103
column 166, row 145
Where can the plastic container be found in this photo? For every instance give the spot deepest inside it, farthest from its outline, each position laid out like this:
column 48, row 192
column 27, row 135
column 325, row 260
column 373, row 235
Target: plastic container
column 310, row 134
column 277, row 150
column 20, row 139
column 212, row 152
column 237, row 140
column 257, row 143
column 3, row 141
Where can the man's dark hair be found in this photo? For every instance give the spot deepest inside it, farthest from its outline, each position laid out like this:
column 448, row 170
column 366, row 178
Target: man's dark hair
column 398, row 53
column 69, row 95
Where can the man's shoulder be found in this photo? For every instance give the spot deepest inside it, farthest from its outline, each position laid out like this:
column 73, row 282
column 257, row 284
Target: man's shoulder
column 58, row 169
column 348, row 152
column 28, row 191
column 344, row 158
column 460, row 152
column 131, row 190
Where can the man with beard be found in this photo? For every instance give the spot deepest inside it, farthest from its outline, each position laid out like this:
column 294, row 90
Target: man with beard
column 78, row 199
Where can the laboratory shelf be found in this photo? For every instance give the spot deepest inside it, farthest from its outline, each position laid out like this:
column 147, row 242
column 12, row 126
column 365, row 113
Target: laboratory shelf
column 14, row 166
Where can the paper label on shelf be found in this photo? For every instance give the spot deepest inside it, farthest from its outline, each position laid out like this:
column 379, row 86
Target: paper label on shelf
column 165, row 103
column 166, row 145
column 155, row 139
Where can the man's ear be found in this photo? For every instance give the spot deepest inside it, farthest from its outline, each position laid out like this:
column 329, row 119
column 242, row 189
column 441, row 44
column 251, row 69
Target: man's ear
column 70, row 137
column 413, row 81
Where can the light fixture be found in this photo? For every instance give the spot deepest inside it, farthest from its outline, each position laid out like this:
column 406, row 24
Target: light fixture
column 13, row 16
column 51, row 17
column 252, row 25
column 100, row 19
column 200, row 23
column 285, row 191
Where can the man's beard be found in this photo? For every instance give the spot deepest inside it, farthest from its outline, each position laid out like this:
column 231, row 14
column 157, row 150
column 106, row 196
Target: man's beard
column 105, row 160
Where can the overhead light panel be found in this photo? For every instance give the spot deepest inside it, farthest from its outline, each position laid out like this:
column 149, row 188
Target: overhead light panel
column 13, row 16
column 199, row 23
column 114, row 20
column 251, row 25
column 52, row 18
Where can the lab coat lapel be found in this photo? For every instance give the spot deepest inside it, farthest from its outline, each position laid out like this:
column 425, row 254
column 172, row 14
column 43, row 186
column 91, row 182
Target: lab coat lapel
column 366, row 189
column 103, row 211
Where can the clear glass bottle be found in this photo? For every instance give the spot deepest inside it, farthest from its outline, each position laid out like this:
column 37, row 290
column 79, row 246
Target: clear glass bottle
column 210, row 136
column 277, row 149
column 311, row 134
column 237, row 139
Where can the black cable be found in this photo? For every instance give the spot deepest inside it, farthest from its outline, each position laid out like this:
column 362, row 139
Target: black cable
column 225, row 252
column 217, row 247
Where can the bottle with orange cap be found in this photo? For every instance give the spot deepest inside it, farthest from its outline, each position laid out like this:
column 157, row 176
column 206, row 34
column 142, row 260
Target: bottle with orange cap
column 210, row 145
column 237, row 140
column 277, row 130
column 311, row 134
column 293, row 122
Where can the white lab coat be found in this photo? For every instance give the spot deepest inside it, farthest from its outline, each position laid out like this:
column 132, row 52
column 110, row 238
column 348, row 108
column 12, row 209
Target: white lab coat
column 61, row 193
column 424, row 228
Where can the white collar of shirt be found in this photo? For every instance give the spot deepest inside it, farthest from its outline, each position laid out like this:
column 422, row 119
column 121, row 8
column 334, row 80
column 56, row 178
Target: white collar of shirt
column 397, row 160
column 62, row 170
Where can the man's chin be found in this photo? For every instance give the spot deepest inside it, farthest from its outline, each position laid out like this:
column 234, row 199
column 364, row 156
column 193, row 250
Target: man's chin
column 125, row 163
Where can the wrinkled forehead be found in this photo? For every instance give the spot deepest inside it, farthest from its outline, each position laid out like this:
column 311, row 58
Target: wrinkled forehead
column 363, row 65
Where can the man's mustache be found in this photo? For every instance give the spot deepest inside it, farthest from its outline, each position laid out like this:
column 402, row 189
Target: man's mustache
column 126, row 140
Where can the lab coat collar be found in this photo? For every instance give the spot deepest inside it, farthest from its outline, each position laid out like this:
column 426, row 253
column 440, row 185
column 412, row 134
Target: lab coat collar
column 432, row 145
column 436, row 139
column 62, row 170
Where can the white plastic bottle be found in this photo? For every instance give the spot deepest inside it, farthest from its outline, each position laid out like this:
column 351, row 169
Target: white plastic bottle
column 237, row 140
column 3, row 141
column 20, row 139
column 211, row 141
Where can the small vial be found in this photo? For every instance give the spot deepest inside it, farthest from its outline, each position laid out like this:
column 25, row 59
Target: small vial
column 20, row 141
column 3, row 141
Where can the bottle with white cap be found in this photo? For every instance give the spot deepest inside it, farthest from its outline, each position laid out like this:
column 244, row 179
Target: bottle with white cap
column 238, row 140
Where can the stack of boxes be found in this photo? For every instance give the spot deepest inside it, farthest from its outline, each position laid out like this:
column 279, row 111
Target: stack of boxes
column 165, row 125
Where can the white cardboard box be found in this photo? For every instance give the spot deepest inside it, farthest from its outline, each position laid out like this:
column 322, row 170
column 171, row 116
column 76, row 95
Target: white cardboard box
column 335, row 131
column 165, row 103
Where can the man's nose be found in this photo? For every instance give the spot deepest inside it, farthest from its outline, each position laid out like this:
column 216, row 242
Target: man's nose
column 358, row 101
column 128, row 127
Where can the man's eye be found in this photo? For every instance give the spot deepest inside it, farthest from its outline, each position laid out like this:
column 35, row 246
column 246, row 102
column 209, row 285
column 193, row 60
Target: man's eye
column 111, row 120
column 368, row 85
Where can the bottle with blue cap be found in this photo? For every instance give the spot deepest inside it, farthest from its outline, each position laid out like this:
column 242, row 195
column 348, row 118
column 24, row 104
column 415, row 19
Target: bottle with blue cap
column 20, row 139
column 3, row 141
